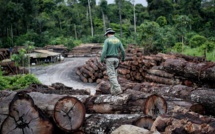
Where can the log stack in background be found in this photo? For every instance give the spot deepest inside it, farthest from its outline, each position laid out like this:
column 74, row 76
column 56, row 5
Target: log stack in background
column 170, row 69
column 85, row 50
column 4, row 54
column 58, row 49
column 91, row 71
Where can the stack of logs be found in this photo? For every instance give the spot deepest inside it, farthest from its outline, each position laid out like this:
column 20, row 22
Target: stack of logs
column 7, row 66
column 4, row 54
column 91, row 71
column 168, row 107
column 79, row 113
column 58, row 49
column 85, row 50
column 171, row 69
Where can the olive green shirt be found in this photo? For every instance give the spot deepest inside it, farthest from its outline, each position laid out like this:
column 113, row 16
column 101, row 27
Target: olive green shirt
column 111, row 47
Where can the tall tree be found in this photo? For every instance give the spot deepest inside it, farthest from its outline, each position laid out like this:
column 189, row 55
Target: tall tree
column 158, row 8
column 104, row 8
column 91, row 21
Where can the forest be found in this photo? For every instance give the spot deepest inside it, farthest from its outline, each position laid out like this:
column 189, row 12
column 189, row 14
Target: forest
column 179, row 26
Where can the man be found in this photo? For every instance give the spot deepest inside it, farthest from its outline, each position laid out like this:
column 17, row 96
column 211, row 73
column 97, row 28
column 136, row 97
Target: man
column 110, row 53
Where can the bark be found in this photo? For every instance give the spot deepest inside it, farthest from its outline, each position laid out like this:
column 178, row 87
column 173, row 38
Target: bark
column 132, row 103
column 206, row 98
column 188, row 96
column 198, row 71
column 106, row 123
column 25, row 117
column 183, row 121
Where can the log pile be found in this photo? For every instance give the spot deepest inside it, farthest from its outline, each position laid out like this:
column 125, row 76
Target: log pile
column 54, row 113
column 85, row 50
column 199, row 95
column 8, row 67
column 4, row 54
column 170, row 69
column 182, row 121
column 91, row 71
column 58, row 49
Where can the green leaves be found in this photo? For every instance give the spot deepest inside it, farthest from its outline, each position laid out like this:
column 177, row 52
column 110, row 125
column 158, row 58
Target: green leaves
column 197, row 40
column 17, row 82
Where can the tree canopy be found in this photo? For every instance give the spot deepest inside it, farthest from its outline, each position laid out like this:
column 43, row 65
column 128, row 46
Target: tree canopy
column 162, row 24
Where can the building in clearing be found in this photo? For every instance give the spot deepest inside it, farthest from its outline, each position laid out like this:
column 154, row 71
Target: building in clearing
column 43, row 56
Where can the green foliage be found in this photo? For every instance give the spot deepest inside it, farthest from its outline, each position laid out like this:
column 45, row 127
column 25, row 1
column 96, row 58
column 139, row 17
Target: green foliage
column 20, row 58
column 182, row 23
column 211, row 56
column 192, row 51
column 161, row 21
column 46, row 22
column 29, row 36
column 22, row 81
column 178, row 47
column 97, row 39
column 4, row 84
column 197, row 40
column 149, row 34
column 73, row 43
column 207, row 46
column 17, row 82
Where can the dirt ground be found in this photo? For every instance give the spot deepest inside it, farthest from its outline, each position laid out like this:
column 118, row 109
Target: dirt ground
column 63, row 72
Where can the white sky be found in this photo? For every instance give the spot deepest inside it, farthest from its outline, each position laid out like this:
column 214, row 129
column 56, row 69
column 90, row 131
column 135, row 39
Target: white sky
column 143, row 2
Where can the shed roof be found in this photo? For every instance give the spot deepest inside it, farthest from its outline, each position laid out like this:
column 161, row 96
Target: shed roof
column 49, row 53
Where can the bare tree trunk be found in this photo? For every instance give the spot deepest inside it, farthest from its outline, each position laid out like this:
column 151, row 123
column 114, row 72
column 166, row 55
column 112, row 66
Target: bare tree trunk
column 120, row 17
column 75, row 32
column 91, row 22
column 11, row 34
column 135, row 31
column 182, row 45
column 104, row 24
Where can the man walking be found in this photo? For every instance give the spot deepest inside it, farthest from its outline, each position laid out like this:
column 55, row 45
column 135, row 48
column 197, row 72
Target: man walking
column 110, row 52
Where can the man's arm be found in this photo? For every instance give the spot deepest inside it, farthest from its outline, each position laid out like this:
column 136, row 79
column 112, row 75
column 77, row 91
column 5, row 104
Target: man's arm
column 104, row 51
column 122, row 52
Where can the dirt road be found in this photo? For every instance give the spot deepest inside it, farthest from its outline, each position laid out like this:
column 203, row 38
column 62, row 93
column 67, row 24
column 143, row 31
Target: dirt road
column 63, row 72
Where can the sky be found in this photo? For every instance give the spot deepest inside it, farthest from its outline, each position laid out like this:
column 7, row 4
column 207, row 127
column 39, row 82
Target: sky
column 143, row 2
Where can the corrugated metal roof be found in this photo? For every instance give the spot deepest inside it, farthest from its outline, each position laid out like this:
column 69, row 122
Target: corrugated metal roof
column 49, row 53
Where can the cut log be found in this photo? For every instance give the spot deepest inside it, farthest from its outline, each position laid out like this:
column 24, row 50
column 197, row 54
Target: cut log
column 69, row 113
column 106, row 123
column 206, row 98
column 25, row 117
column 84, row 79
column 162, row 80
column 130, row 129
column 200, row 71
column 144, row 122
column 155, row 105
column 181, row 121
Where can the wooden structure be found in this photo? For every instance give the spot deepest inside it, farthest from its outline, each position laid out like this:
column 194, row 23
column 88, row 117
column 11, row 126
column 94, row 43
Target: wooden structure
column 85, row 50
column 58, row 49
column 43, row 56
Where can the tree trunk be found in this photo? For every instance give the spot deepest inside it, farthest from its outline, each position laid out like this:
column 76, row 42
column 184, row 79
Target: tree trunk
column 120, row 16
column 104, row 24
column 181, row 121
column 23, row 115
column 91, row 21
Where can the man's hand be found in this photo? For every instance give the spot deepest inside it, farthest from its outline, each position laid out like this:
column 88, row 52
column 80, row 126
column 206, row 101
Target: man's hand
column 103, row 62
